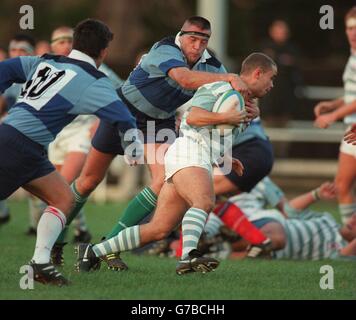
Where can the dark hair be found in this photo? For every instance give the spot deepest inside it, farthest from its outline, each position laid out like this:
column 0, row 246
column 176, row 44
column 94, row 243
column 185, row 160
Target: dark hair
column 200, row 22
column 91, row 36
column 257, row 60
column 24, row 37
column 351, row 13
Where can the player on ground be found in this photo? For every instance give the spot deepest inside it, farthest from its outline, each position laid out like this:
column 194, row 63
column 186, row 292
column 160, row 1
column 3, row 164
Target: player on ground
column 188, row 191
column 56, row 89
column 296, row 232
column 166, row 78
column 327, row 112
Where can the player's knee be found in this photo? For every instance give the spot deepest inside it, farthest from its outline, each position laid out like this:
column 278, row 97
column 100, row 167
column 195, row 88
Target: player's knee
column 279, row 242
column 204, row 203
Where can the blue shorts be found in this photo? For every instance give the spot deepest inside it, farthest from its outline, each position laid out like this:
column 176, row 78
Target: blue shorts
column 257, row 158
column 263, row 221
column 21, row 160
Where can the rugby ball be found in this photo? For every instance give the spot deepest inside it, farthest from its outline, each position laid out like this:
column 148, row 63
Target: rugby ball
column 225, row 102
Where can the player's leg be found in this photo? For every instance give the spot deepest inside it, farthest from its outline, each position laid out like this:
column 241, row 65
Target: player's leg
column 275, row 232
column 169, row 212
column 145, row 202
column 54, row 190
column 345, row 179
column 4, row 212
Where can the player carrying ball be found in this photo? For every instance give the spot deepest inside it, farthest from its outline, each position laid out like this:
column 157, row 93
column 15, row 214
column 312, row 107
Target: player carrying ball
column 187, row 195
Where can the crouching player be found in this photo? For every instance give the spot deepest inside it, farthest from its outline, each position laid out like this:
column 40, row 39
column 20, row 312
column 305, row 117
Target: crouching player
column 56, row 89
column 188, row 195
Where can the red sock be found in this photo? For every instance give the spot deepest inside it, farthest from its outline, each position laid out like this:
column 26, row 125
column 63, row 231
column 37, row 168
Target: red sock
column 235, row 219
column 179, row 250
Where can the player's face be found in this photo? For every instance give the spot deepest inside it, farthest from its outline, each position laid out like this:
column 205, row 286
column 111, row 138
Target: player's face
column 193, row 46
column 351, row 35
column 264, row 83
column 62, row 47
column 18, row 52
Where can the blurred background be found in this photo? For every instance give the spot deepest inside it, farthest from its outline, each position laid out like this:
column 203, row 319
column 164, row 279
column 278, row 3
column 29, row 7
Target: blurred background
column 311, row 60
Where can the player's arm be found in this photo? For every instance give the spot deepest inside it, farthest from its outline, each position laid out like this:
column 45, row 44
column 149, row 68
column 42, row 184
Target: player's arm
column 327, row 106
column 192, row 80
column 325, row 120
column 326, row 191
column 200, row 115
column 15, row 71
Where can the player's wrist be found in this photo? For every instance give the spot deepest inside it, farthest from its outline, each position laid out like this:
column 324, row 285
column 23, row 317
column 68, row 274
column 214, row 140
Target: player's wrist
column 316, row 194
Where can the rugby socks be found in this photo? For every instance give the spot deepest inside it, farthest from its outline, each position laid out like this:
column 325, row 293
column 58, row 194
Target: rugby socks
column 36, row 207
column 234, row 218
column 346, row 211
column 79, row 203
column 127, row 239
column 138, row 208
column 49, row 227
column 192, row 227
column 4, row 210
column 212, row 227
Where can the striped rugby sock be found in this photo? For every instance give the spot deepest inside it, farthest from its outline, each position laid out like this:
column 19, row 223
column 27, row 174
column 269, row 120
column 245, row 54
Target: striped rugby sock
column 138, row 208
column 49, row 227
column 192, row 227
column 213, row 225
column 127, row 239
column 346, row 211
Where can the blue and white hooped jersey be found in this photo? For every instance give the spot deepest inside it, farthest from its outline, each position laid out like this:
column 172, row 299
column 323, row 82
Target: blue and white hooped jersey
column 55, row 90
column 149, row 88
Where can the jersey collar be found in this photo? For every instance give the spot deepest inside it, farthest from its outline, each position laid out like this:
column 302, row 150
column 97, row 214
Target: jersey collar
column 78, row 55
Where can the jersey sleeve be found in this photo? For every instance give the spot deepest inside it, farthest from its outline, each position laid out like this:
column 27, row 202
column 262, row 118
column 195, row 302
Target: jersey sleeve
column 272, row 193
column 101, row 99
column 15, row 70
column 204, row 98
column 165, row 58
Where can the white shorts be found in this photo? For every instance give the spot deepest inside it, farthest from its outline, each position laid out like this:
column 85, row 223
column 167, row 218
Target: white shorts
column 70, row 140
column 187, row 152
column 348, row 148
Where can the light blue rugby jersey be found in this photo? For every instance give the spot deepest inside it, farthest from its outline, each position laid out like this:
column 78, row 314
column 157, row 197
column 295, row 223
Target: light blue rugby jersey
column 56, row 90
column 149, row 88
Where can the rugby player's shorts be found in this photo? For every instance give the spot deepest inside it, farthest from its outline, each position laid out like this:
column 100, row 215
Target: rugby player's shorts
column 70, row 140
column 21, row 160
column 257, row 158
column 187, row 152
column 348, row 148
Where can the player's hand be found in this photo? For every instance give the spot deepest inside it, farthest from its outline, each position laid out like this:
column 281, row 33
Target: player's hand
column 324, row 121
column 240, row 86
column 235, row 117
column 253, row 111
column 237, row 166
column 350, row 136
column 327, row 191
column 323, row 107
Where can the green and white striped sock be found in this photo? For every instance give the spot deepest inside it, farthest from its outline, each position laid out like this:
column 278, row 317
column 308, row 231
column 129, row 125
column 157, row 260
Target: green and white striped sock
column 213, row 225
column 127, row 239
column 346, row 211
column 192, row 227
column 4, row 210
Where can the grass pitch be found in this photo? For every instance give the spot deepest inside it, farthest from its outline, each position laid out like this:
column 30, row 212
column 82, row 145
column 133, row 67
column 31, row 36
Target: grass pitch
column 155, row 278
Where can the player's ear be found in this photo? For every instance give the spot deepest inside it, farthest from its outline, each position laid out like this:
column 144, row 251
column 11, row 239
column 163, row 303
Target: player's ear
column 257, row 73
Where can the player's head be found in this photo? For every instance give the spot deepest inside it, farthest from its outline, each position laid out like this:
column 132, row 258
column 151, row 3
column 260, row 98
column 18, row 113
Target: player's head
column 258, row 72
column 92, row 37
column 42, row 47
column 3, row 54
column 21, row 45
column 194, row 37
column 62, row 40
column 279, row 31
column 350, row 24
